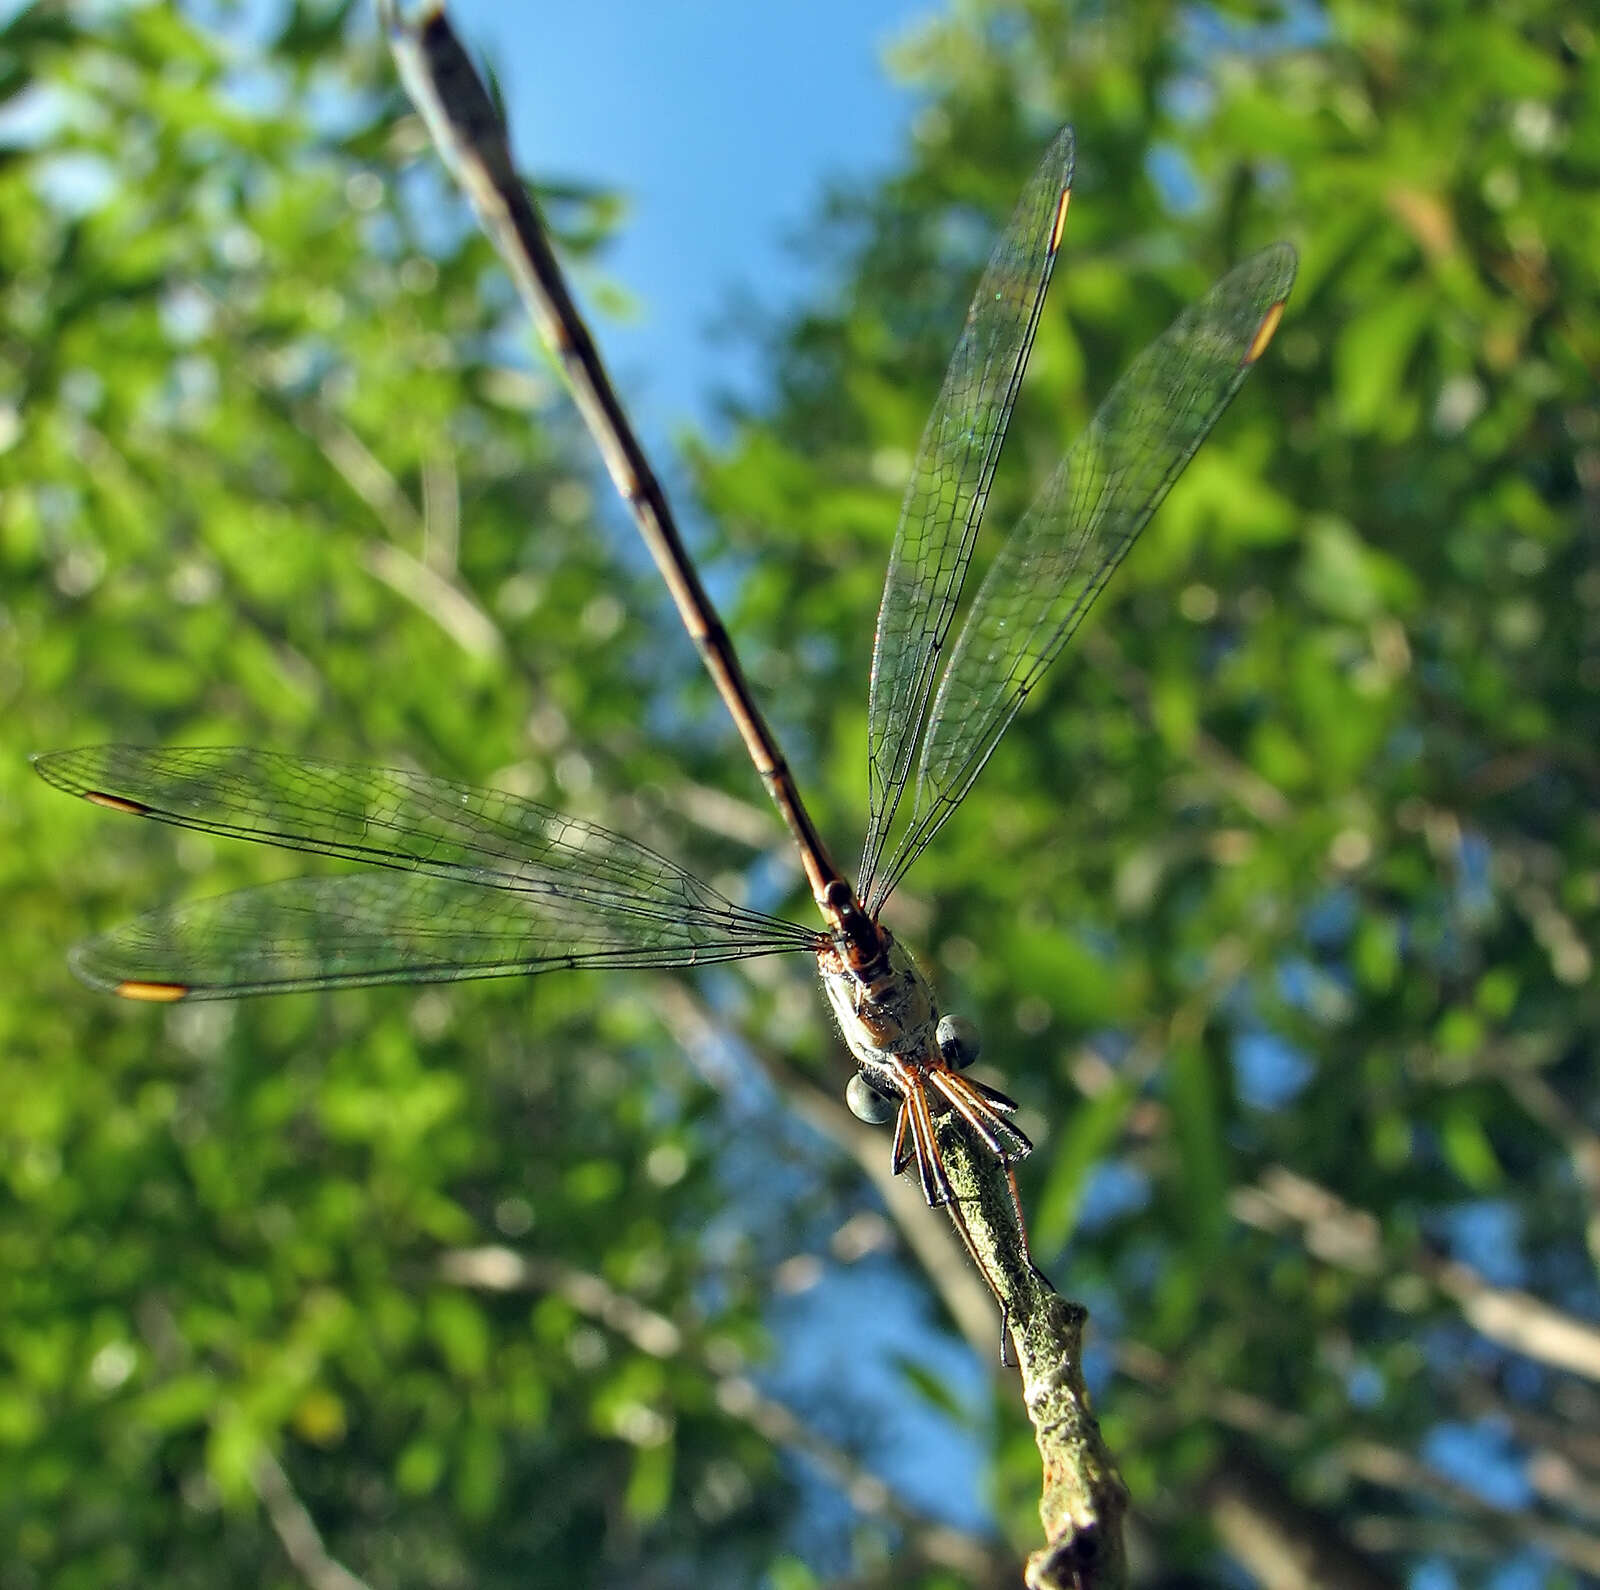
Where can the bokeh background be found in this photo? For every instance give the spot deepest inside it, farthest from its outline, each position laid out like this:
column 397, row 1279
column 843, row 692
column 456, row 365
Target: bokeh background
column 1277, row 908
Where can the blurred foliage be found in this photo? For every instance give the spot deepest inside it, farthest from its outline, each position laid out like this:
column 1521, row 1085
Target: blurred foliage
column 269, row 477
column 1294, row 870
column 1277, row 909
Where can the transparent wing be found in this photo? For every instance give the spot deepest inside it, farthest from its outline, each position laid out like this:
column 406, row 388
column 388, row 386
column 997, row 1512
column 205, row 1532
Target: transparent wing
column 391, row 928
column 1064, row 549
column 950, row 484
column 492, row 883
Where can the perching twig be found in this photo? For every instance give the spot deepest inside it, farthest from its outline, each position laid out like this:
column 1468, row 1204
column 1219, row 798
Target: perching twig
column 1084, row 1499
column 470, row 134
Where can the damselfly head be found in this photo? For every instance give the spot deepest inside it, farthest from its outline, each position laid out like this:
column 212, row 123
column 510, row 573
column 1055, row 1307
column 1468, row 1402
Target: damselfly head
column 858, row 938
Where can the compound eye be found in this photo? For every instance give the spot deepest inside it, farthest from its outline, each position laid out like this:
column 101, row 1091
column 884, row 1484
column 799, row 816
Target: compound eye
column 958, row 1041
column 867, row 1104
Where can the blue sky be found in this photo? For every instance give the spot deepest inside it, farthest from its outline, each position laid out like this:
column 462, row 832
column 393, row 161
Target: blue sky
column 721, row 124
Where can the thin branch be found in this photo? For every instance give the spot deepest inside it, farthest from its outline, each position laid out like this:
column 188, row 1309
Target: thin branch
column 428, row 578
column 1084, row 1499
column 290, row 1519
column 718, row 812
column 354, row 463
column 429, row 583
column 1515, row 1526
column 1545, row 1106
column 1572, row 1444
column 473, row 141
column 1284, row 1543
column 296, row 1529
column 1084, row 1503
column 437, row 595
column 1517, row 1320
column 441, row 514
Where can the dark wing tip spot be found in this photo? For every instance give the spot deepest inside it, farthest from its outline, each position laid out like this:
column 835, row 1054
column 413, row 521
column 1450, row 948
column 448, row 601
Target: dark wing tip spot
column 1060, row 224
column 152, row 993
column 1269, row 324
column 116, row 803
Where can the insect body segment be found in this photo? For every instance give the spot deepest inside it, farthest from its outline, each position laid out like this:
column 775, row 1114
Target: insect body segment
column 905, row 1051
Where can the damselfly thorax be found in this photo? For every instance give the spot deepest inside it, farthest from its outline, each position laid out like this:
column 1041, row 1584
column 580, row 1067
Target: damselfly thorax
column 909, row 1058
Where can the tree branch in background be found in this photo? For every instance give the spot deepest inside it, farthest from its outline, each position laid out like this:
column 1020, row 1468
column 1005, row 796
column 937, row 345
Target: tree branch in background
column 1288, row 1543
column 1352, row 1239
column 501, row 1269
column 1284, row 1543
column 933, row 1244
column 297, row 1530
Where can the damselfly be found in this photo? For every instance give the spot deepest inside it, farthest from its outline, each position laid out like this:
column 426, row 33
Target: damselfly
column 470, row 883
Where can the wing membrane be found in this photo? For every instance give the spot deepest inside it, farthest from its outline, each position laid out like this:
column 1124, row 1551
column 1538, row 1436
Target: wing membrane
column 493, row 884
column 391, row 927
column 1064, row 549
column 950, row 483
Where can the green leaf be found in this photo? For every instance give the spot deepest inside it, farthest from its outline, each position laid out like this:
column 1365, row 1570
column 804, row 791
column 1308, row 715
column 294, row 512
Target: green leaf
column 1469, row 1151
column 460, row 1330
column 1371, row 360
column 1092, row 1129
column 419, row 1467
column 1196, row 1119
column 479, row 1470
column 650, row 1482
column 932, row 1389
